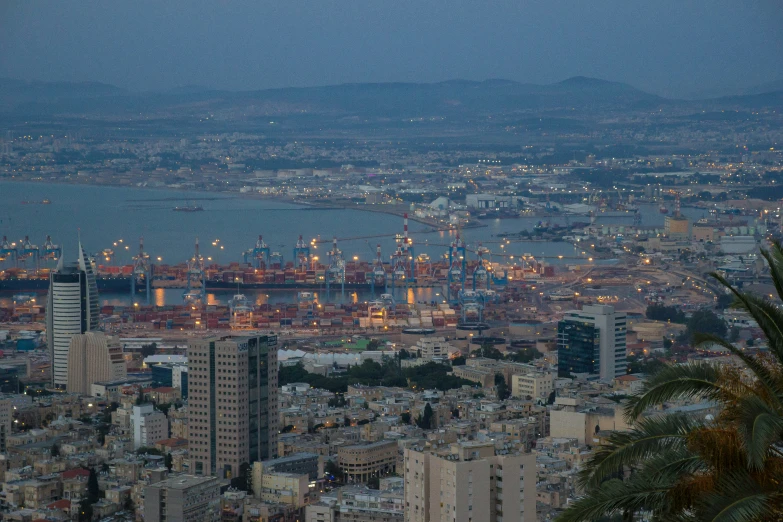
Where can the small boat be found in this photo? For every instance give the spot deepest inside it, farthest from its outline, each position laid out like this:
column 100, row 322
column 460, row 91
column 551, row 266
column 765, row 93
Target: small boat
column 189, row 208
column 663, row 210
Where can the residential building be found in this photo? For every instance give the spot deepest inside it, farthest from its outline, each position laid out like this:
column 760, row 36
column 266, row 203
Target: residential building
column 232, row 402
column 183, row 498
column 468, row 482
column 592, row 341
column 359, row 504
column 298, row 463
column 434, row 348
column 93, row 357
column 283, row 488
column 535, row 384
column 149, row 425
column 6, row 420
column 72, row 308
column 362, row 461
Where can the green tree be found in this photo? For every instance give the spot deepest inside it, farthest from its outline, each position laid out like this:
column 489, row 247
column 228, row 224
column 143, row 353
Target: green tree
column 502, row 388
column 525, row 355
column 331, row 468
column 55, row 451
column 692, row 468
column 424, row 421
column 458, row 361
column 168, row 461
column 374, row 482
column 149, row 349
column 404, row 354
column 93, row 489
column 85, row 511
column 489, row 351
column 405, row 417
column 374, row 344
column 734, row 334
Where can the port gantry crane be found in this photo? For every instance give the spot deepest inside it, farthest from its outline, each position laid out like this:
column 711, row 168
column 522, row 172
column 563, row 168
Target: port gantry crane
column 27, row 250
column 258, row 256
column 481, row 279
column 458, row 260
column 379, row 278
column 404, row 259
column 276, row 261
column 301, row 255
column 196, row 274
column 335, row 272
column 142, row 272
column 7, row 250
column 50, row 251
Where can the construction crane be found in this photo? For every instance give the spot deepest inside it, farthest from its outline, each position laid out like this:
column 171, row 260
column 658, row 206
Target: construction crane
column 301, row 255
column 142, row 272
column 195, row 295
column 258, row 256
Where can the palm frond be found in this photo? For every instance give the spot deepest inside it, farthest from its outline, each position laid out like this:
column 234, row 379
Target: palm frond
column 645, row 492
column 739, row 498
column 761, row 427
column 768, row 316
column 650, row 437
column 688, row 381
column 762, row 372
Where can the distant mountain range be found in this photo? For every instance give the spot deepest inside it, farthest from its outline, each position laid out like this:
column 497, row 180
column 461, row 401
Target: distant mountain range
column 456, row 98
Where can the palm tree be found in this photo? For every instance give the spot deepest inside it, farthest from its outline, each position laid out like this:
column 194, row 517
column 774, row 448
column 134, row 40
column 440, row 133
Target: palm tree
column 676, row 468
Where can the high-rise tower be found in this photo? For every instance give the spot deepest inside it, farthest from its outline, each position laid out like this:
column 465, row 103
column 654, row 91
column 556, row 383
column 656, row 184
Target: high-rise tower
column 72, row 308
column 232, row 403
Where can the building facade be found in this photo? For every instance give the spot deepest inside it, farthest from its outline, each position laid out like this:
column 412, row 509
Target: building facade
column 592, row 341
column 149, row 425
column 183, row 499
column 71, row 309
column 92, row 357
column 468, row 482
column 362, row 461
column 232, row 403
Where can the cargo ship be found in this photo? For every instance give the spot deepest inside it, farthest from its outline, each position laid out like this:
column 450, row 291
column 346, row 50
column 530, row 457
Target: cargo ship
column 189, row 208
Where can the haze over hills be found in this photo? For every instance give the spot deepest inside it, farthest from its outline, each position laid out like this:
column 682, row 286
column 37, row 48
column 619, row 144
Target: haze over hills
column 372, row 99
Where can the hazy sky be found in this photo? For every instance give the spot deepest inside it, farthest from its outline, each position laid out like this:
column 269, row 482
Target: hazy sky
column 664, row 46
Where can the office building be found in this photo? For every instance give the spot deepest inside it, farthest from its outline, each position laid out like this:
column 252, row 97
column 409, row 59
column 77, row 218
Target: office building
column 183, row 499
column 232, row 403
column 93, row 357
column 149, row 426
column 174, row 375
column 592, row 341
column 468, row 482
column 72, row 309
column 361, row 462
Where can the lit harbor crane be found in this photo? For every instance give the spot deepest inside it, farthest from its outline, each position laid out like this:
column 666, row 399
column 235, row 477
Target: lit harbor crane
column 27, row 250
column 398, row 269
column 481, row 279
column 241, row 313
column 142, row 271
column 258, row 256
column 335, row 272
column 7, row 250
column 276, row 261
column 379, row 277
column 196, row 274
column 457, row 268
column 50, row 251
column 301, row 255
column 471, row 306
